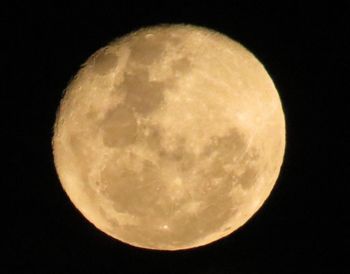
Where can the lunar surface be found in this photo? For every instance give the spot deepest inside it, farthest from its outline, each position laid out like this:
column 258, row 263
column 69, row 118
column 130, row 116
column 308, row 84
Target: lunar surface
column 170, row 137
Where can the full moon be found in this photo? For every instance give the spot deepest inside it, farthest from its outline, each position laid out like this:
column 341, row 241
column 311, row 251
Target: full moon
column 170, row 137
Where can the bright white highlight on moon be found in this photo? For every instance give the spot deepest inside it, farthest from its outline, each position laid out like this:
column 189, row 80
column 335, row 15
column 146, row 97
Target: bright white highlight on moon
column 169, row 138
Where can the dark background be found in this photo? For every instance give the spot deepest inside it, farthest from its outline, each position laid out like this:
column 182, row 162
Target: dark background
column 300, row 227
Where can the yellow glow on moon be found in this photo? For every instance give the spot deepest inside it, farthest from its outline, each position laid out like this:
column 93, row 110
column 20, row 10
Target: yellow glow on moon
column 170, row 138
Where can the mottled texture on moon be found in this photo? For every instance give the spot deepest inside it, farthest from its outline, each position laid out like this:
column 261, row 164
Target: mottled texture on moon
column 170, row 138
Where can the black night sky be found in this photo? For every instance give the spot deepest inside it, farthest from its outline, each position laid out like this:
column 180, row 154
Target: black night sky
column 300, row 227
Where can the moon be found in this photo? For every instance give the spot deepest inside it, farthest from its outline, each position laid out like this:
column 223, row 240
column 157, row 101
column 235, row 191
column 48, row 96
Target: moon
column 170, row 137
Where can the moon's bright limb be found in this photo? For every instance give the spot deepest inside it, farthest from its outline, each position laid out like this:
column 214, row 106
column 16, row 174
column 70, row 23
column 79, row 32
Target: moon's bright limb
column 170, row 137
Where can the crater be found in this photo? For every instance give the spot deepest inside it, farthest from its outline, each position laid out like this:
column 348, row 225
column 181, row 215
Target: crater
column 207, row 217
column 182, row 65
column 82, row 156
column 130, row 191
column 232, row 162
column 216, row 214
column 223, row 152
column 104, row 62
column 184, row 159
column 146, row 50
column 142, row 95
column 248, row 178
column 231, row 144
column 152, row 136
column 119, row 127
